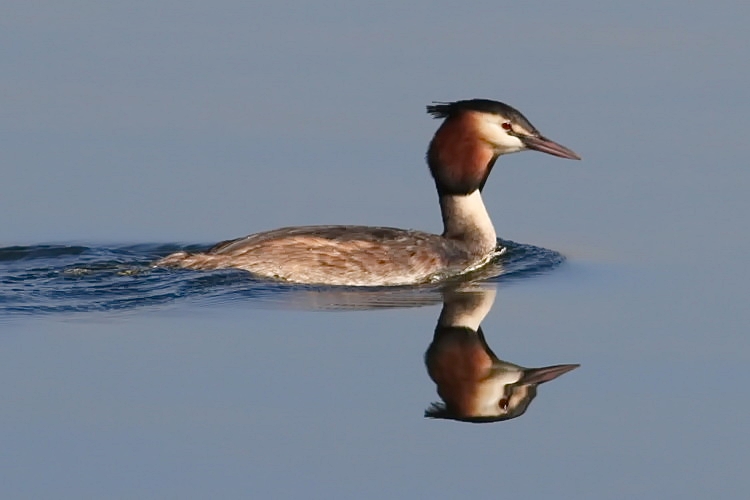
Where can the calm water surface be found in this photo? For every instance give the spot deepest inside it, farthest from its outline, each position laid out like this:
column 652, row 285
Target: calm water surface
column 174, row 383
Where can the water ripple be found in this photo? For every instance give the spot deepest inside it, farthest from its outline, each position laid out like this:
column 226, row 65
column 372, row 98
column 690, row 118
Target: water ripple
column 43, row 279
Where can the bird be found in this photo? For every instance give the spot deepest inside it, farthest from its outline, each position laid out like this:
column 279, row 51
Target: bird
column 473, row 134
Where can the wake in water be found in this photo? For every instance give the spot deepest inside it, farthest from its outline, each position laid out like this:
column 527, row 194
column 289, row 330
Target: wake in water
column 58, row 279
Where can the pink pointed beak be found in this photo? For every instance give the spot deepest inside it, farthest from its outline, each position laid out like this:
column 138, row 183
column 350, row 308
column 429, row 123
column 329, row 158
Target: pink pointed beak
column 544, row 145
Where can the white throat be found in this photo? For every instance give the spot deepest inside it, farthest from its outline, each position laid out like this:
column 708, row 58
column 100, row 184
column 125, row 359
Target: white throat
column 467, row 309
column 466, row 219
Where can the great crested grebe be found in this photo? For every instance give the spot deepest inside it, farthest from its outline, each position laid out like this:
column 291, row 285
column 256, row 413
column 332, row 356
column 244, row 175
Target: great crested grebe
column 460, row 156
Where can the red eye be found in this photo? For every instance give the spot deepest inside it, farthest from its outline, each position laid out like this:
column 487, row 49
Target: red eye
column 503, row 404
column 507, row 126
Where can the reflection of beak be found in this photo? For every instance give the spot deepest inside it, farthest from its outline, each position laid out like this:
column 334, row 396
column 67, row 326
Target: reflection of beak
column 544, row 145
column 542, row 375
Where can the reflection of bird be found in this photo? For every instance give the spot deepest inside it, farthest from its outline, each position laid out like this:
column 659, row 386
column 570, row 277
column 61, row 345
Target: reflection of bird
column 461, row 155
column 473, row 383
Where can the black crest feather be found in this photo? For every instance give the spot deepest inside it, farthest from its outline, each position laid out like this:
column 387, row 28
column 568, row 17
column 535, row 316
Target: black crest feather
column 447, row 109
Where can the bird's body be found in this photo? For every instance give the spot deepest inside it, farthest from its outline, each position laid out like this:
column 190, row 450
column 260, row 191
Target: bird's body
column 337, row 255
column 461, row 155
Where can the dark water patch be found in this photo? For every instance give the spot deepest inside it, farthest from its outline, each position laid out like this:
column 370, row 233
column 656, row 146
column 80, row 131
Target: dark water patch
column 44, row 279
column 39, row 252
column 524, row 261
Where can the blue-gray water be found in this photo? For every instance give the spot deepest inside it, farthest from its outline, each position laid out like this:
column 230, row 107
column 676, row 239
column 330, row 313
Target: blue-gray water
column 190, row 121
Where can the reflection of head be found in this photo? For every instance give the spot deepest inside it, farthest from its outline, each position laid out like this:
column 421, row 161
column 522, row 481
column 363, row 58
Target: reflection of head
column 473, row 383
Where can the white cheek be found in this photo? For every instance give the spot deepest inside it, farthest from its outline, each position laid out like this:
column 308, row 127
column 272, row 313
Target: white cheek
column 508, row 144
column 499, row 138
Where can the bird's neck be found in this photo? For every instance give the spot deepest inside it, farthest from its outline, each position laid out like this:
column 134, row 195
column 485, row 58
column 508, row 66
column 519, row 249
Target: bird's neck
column 466, row 309
column 465, row 219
